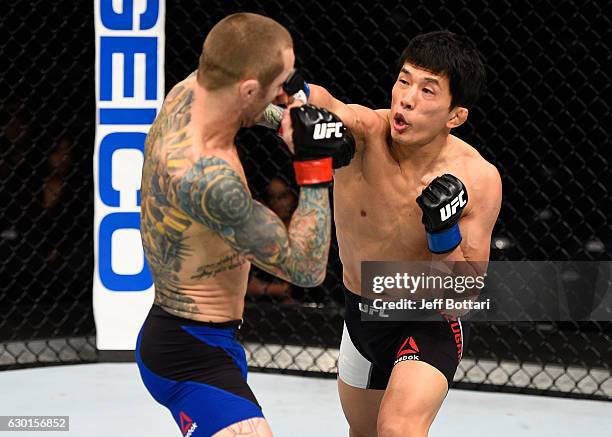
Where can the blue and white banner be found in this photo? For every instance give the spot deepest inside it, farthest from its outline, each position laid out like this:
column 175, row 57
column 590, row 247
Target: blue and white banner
column 129, row 92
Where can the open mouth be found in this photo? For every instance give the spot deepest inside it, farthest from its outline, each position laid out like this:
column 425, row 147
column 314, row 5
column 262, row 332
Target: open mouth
column 399, row 123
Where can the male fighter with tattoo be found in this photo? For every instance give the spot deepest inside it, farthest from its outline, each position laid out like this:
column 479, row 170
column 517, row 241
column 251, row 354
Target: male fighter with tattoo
column 201, row 229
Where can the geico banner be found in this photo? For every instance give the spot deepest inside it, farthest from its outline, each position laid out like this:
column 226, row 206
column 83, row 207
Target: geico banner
column 129, row 92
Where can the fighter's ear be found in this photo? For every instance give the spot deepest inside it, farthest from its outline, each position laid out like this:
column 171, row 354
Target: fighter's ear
column 457, row 117
column 249, row 88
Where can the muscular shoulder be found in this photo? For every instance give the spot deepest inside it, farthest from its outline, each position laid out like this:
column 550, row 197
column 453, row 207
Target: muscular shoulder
column 478, row 168
column 178, row 100
column 383, row 114
column 368, row 124
column 180, row 88
column 369, row 119
column 482, row 178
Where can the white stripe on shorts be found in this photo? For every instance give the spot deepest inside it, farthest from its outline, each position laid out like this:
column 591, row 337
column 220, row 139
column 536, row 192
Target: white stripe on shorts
column 353, row 368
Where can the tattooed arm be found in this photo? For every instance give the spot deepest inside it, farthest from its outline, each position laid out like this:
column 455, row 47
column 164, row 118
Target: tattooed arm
column 271, row 117
column 214, row 194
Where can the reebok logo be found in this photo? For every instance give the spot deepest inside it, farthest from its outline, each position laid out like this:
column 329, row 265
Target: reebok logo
column 451, row 208
column 325, row 130
column 188, row 426
column 408, row 351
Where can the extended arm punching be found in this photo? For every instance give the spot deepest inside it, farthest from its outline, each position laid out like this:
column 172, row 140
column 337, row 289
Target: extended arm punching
column 358, row 119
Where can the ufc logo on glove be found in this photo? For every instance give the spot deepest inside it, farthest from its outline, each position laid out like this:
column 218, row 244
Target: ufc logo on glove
column 451, row 208
column 325, row 130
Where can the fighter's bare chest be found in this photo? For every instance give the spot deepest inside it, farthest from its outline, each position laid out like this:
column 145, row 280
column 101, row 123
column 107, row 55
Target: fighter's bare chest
column 380, row 211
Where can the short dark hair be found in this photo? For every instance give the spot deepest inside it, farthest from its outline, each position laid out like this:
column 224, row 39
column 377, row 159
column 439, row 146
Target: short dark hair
column 454, row 56
column 240, row 46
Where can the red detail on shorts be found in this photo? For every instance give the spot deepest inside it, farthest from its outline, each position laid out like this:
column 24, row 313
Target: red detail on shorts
column 185, row 422
column 412, row 347
column 456, row 328
column 317, row 171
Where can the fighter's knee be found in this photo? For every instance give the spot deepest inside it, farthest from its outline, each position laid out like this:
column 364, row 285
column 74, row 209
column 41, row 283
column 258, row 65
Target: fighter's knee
column 401, row 427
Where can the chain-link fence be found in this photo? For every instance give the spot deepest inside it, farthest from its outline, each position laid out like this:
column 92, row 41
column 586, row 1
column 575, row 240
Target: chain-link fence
column 541, row 123
column 47, row 118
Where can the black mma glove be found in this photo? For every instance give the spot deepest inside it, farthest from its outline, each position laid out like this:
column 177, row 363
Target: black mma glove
column 321, row 143
column 345, row 152
column 297, row 87
column 442, row 203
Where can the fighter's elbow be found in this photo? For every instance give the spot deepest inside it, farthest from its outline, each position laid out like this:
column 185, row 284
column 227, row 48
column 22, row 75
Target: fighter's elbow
column 310, row 279
column 318, row 280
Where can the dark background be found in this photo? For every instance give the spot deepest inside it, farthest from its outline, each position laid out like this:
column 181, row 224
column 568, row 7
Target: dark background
column 541, row 123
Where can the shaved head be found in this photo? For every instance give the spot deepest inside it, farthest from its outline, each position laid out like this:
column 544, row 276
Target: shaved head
column 243, row 46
